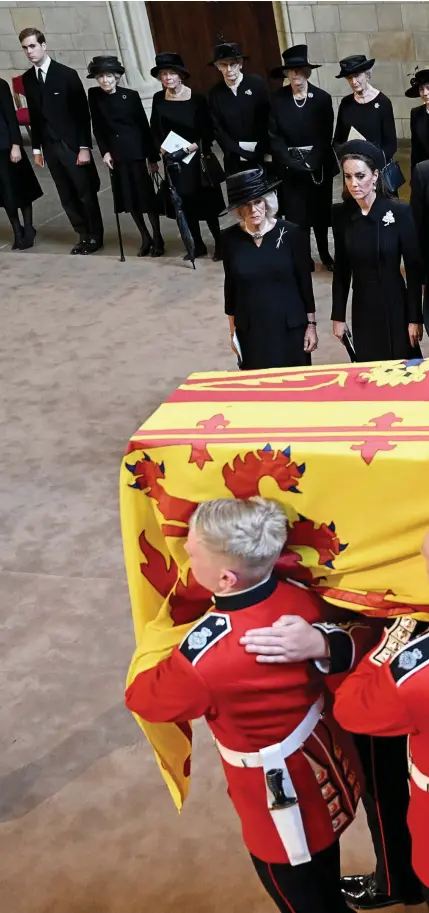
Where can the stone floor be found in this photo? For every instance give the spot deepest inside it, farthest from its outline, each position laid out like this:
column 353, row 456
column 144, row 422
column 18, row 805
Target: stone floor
column 90, row 346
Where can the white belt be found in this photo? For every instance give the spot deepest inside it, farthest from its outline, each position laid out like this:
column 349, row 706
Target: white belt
column 282, row 799
column 421, row 780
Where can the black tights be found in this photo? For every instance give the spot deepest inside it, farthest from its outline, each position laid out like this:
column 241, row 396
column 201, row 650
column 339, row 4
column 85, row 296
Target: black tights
column 141, row 225
column 27, row 215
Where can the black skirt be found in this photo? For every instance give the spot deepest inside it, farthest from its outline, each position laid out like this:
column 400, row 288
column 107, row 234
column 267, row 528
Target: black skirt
column 133, row 187
column 18, row 184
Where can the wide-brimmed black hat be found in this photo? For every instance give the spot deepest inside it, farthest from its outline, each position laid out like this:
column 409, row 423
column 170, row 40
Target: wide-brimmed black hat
column 227, row 50
column 108, row 64
column 247, row 186
column 168, row 61
column 294, row 57
column 419, row 78
column 356, row 63
column 362, row 147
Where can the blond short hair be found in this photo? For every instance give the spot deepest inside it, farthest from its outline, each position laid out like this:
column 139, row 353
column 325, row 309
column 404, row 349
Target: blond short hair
column 250, row 531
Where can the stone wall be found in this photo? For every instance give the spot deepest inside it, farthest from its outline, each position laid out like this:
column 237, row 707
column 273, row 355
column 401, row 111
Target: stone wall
column 396, row 34
column 75, row 32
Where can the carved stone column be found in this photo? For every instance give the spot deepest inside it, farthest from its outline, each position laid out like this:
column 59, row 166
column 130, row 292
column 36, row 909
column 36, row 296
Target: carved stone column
column 134, row 40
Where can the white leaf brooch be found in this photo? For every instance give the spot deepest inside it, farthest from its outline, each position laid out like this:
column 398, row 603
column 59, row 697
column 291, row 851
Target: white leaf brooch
column 248, row 92
column 389, row 218
column 376, row 105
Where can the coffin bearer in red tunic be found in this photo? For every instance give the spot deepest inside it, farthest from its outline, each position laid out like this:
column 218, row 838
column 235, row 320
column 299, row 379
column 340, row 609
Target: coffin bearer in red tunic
column 388, row 695
column 291, row 772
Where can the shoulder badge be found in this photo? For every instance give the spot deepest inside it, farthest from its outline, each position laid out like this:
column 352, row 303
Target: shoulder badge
column 207, row 632
column 410, row 659
column 395, row 637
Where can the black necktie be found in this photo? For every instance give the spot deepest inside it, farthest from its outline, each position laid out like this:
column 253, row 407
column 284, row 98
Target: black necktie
column 40, row 78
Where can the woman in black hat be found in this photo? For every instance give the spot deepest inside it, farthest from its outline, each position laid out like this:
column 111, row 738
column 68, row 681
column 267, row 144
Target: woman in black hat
column 301, row 128
column 367, row 109
column 125, row 142
column 240, row 108
column 268, row 290
column 419, row 117
column 182, row 111
column 372, row 232
column 19, row 186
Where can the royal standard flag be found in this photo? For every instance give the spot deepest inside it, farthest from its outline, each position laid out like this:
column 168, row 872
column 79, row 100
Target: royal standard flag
column 346, row 451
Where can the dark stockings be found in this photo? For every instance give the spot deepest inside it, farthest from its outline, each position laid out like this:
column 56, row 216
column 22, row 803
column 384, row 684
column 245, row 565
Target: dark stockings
column 22, row 238
column 147, row 242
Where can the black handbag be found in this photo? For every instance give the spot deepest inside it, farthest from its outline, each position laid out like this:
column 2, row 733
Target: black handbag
column 212, row 173
column 392, row 176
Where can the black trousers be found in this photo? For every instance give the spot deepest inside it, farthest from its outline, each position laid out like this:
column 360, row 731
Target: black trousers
column 77, row 187
column 313, row 887
column 386, row 798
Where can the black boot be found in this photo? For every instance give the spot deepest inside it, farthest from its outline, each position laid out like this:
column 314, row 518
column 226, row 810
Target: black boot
column 361, row 892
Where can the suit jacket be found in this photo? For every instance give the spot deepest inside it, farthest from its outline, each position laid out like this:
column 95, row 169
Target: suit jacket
column 59, row 109
column 9, row 130
column 419, row 121
column 241, row 118
column 120, row 125
column 311, row 124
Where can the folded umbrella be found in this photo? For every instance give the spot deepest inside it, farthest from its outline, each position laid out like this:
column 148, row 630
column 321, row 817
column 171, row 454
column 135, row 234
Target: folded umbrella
column 171, row 164
column 118, row 224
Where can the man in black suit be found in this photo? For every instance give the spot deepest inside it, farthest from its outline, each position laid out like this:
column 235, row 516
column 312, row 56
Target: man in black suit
column 61, row 136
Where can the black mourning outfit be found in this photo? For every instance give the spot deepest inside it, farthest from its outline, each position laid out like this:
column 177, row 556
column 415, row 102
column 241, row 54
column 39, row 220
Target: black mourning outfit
column 420, row 206
column 306, row 192
column 419, row 120
column 374, row 120
column 60, row 126
column 190, row 120
column 241, row 118
column 19, row 186
column 268, row 291
column 121, row 128
column 368, row 251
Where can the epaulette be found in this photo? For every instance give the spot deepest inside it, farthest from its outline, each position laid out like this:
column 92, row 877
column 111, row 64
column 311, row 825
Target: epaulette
column 207, row 632
column 412, row 658
column 396, row 637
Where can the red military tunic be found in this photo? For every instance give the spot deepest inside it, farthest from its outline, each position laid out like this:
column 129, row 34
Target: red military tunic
column 388, row 695
column 249, row 706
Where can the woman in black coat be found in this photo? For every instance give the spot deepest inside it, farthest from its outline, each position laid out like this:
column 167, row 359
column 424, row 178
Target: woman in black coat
column 372, row 233
column 268, row 290
column 301, row 127
column 419, row 117
column 125, row 142
column 176, row 109
column 367, row 109
column 19, row 186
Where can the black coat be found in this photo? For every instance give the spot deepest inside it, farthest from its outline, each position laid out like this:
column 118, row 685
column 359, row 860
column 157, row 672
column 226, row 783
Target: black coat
column 241, row 118
column 18, row 184
column 374, row 120
column 307, row 188
column 419, row 121
column 269, row 292
column 60, row 106
column 368, row 250
column 420, row 206
column 120, row 125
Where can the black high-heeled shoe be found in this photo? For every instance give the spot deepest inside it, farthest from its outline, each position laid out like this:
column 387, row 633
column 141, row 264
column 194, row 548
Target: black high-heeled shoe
column 145, row 248
column 18, row 240
column 158, row 247
column 29, row 238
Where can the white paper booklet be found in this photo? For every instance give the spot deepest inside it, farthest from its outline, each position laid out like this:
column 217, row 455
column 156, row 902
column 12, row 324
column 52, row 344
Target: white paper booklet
column 237, row 346
column 248, row 147
column 354, row 134
column 173, row 142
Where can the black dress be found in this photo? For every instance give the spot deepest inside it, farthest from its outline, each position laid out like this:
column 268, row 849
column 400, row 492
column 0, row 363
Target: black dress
column 420, row 205
column 241, row 118
column 419, row 121
column 368, row 250
column 306, row 191
column 269, row 292
column 19, row 186
column 191, row 120
column 374, row 120
column 121, row 127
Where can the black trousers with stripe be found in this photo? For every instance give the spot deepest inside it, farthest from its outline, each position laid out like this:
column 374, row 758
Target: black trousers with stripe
column 313, row 887
column 386, row 797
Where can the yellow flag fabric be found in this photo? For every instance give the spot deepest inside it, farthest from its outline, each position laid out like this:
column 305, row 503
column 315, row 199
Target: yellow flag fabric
column 344, row 448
